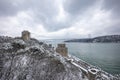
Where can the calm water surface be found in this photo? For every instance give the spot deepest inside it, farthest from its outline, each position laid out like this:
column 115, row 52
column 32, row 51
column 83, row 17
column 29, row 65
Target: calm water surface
column 103, row 55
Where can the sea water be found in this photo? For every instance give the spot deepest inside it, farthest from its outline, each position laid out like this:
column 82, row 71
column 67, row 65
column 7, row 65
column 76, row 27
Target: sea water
column 104, row 55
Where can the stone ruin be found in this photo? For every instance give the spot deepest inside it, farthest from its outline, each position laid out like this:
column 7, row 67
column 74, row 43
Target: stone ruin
column 93, row 73
column 62, row 49
column 26, row 35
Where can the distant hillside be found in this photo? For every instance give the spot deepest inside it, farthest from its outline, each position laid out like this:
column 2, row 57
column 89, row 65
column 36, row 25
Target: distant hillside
column 100, row 39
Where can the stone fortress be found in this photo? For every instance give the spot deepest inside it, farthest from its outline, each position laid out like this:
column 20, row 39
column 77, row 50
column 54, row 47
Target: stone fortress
column 61, row 48
column 90, row 72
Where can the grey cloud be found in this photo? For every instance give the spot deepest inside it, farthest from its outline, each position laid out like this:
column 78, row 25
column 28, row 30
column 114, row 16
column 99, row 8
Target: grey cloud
column 44, row 12
column 7, row 8
column 42, row 7
column 77, row 6
column 114, row 6
column 74, row 8
column 114, row 29
column 107, row 30
column 11, row 7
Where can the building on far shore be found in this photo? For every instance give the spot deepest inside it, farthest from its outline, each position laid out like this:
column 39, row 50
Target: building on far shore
column 62, row 49
column 26, row 35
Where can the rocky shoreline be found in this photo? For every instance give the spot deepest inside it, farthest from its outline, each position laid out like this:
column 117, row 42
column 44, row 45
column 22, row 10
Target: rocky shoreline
column 34, row 60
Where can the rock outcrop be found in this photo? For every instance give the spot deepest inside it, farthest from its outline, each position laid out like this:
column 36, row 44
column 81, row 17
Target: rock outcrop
column 30, row 60
column 33, row 60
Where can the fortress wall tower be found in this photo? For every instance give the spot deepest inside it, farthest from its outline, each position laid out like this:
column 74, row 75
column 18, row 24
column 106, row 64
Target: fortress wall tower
column 62, row 49
column 26, row 35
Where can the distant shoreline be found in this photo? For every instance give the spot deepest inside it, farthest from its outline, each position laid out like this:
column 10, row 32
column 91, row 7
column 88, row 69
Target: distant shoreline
column 99, row 39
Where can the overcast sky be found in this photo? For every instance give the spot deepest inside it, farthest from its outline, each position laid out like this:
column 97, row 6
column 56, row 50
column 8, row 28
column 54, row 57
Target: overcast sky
column 60, row 18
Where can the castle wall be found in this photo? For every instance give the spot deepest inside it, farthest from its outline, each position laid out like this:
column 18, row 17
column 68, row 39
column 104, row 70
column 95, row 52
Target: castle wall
column 62, row 49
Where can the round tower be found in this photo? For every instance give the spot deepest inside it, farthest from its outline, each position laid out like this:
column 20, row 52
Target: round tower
column 26, row 35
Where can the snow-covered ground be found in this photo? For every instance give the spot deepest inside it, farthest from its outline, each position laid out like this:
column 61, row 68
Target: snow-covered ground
column 34, row 60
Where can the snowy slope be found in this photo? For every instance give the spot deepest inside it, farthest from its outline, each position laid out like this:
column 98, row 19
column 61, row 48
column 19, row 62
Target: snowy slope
column 31, row 60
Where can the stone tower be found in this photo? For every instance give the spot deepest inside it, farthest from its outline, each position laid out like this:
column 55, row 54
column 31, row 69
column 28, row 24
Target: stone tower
column 62, row 49
column 26, row 35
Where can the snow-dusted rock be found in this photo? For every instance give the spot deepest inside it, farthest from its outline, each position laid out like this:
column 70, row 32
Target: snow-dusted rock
column 30, row 60
column 33, row 60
